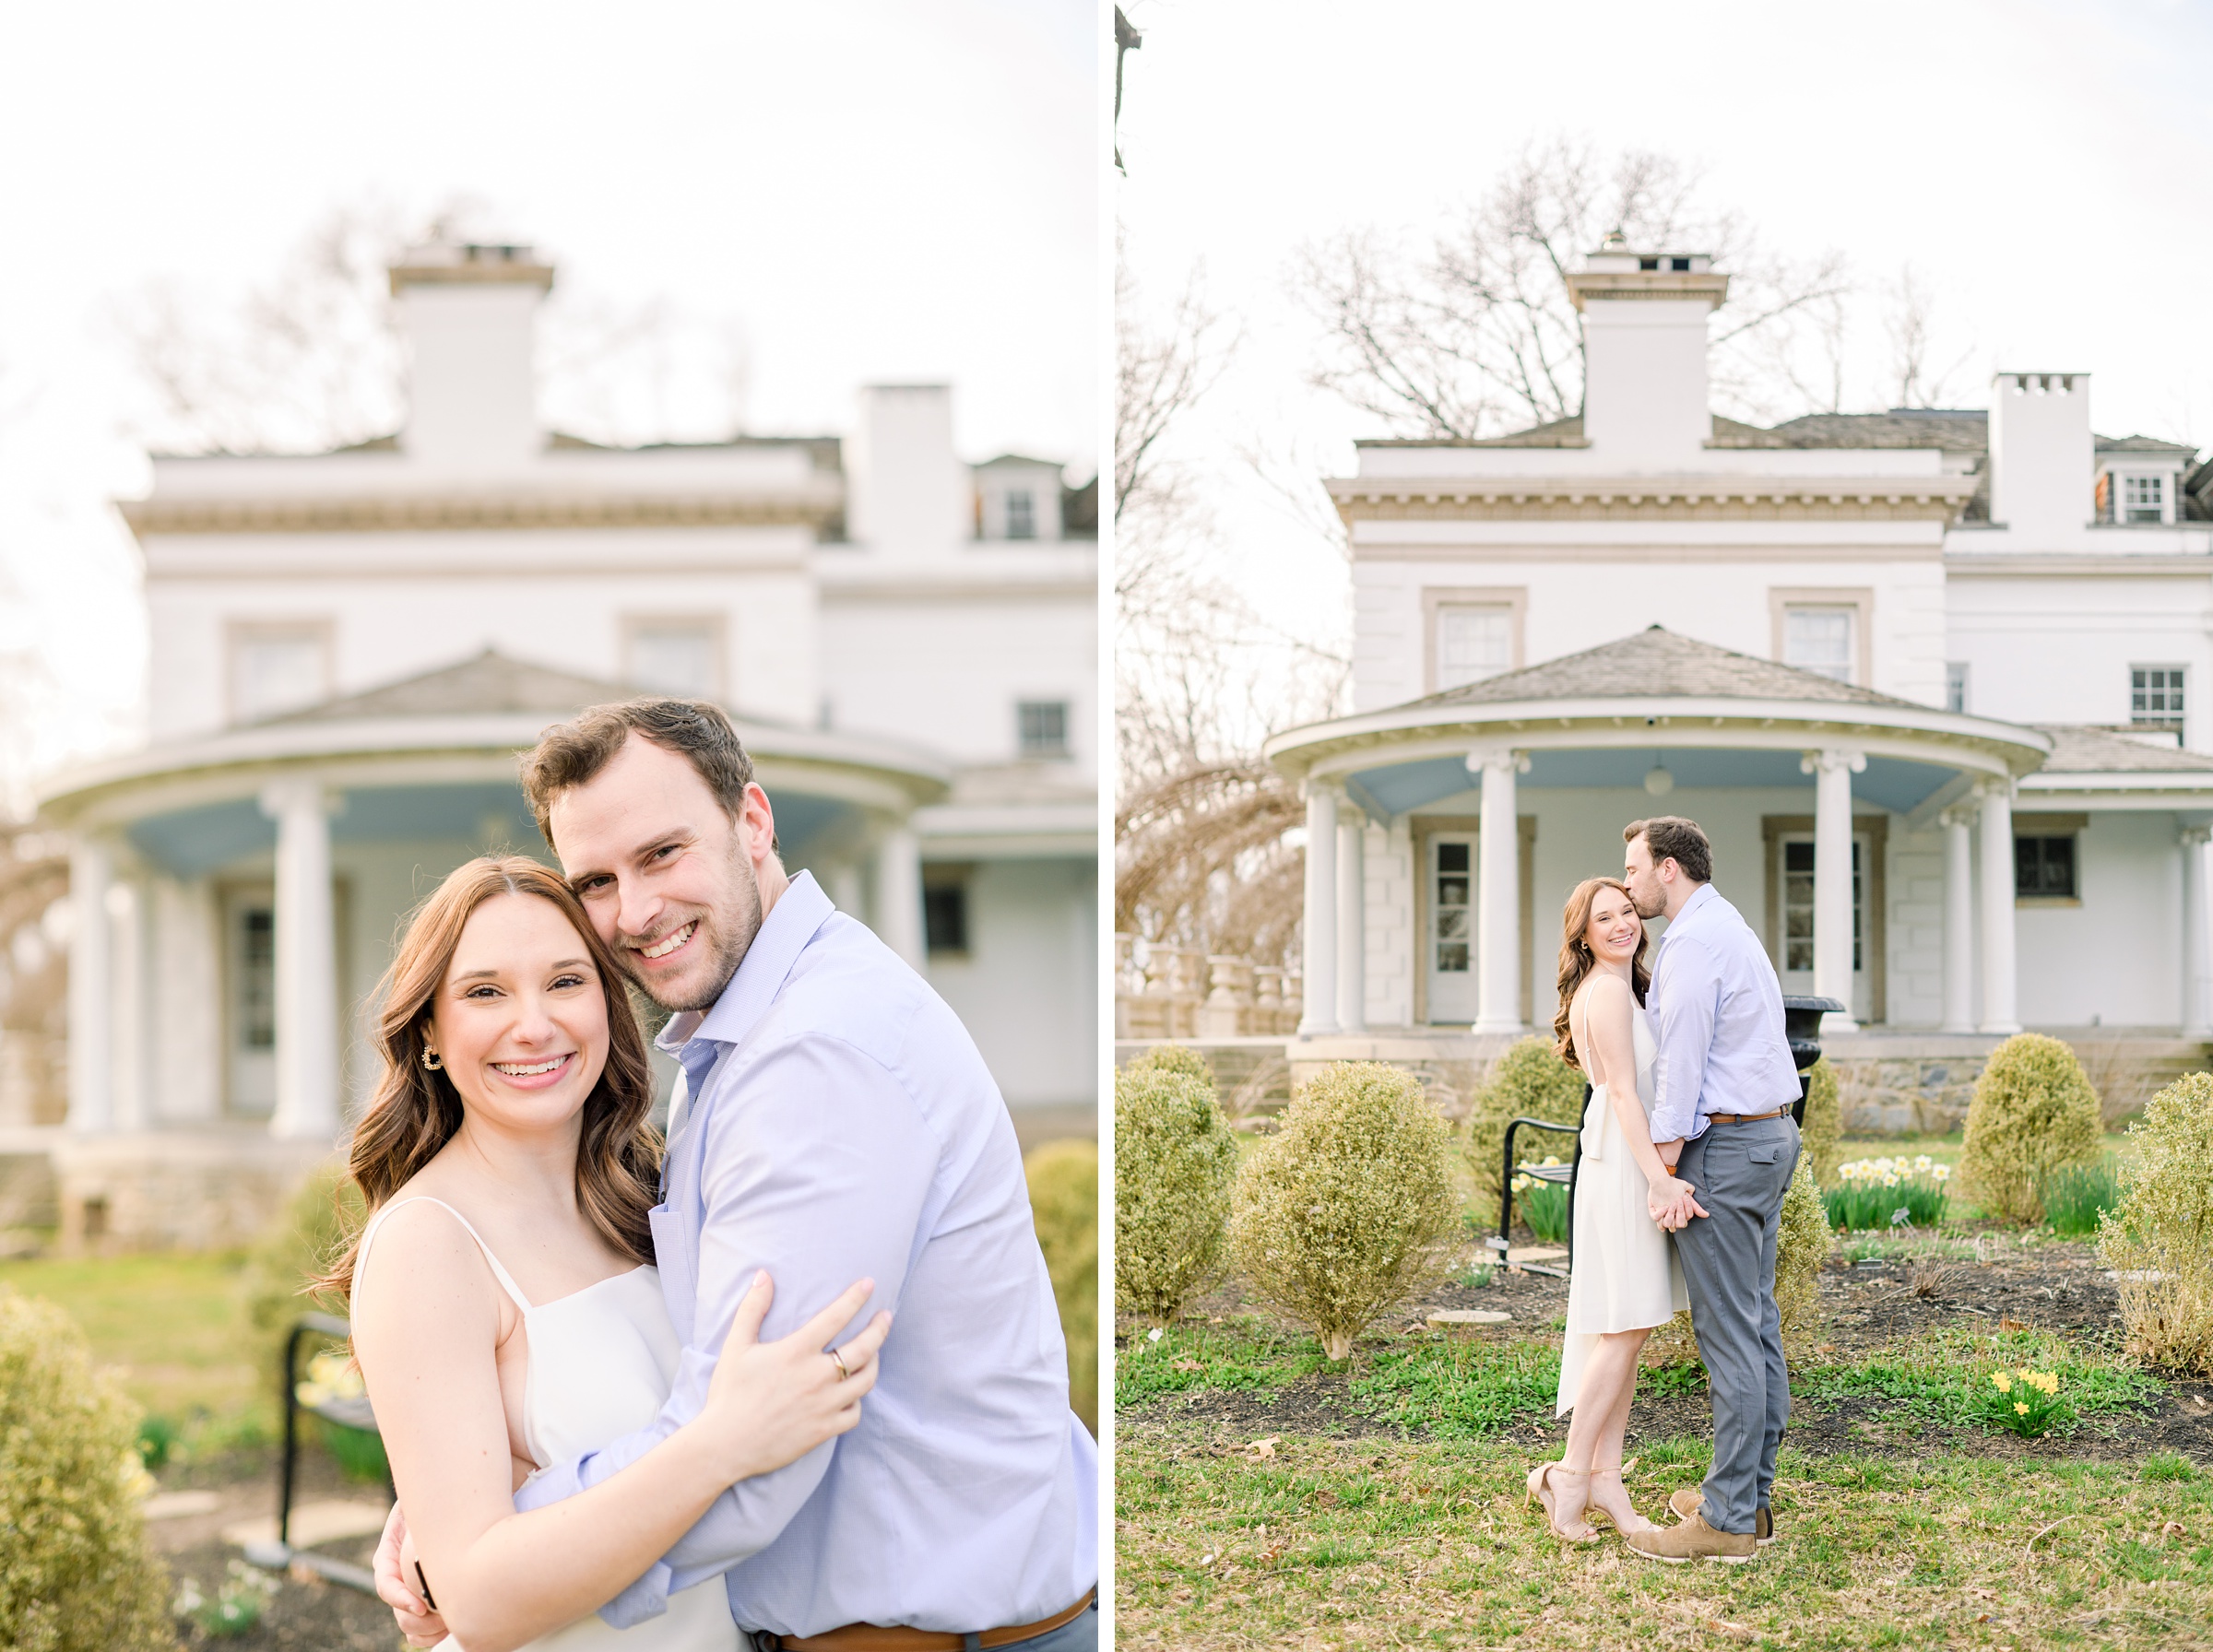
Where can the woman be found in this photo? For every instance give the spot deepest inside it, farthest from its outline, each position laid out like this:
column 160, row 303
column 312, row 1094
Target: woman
column 506, row 1311
column 1626, row 1278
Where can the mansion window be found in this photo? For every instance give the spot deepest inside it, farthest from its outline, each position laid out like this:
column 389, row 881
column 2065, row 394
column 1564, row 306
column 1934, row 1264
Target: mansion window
column 945, row 916
column 680, row 657
column 1955, row 686
column 1022, row 514
column 1041, row 727
column 1798, row 905
column 1819, row 640
column 278, row 668
column 2155, row 696
column 2143, row 498
column 2043, row 868
column 1473, row 643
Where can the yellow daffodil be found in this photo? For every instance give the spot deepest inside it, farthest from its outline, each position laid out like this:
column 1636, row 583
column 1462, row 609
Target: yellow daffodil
column 2004, row 1383
column 2020, row 1407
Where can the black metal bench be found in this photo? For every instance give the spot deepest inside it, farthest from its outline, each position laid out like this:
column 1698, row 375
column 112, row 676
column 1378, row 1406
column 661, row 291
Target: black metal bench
column 346, row 1413
column 1557, row 1175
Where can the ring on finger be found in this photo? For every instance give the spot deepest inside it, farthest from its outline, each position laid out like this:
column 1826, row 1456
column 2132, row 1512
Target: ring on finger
column 839, row 1361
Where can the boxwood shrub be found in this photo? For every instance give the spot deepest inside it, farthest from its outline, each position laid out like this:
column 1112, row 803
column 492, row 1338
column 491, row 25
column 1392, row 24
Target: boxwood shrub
column 1174, row 1157
column 2034, row 1112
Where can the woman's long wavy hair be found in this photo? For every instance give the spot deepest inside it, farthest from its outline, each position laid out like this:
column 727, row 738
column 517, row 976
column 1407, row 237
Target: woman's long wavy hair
column 1575, row 960
column 416, row 1110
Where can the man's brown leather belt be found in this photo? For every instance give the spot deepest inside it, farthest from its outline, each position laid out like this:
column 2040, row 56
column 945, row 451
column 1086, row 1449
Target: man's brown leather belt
column 878, row 1637
column 1743, row 1118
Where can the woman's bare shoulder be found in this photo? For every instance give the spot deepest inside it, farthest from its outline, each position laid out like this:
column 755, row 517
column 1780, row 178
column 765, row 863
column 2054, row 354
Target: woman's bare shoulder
column 420, row 1251
column 1608, row 998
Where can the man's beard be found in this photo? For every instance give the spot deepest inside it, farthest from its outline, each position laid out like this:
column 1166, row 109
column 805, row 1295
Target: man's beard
column 1648, row 906
column 726, row 951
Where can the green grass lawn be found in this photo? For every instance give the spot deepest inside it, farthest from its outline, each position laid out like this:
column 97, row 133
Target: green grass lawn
column 1385, row 1543
column 1945, row 1150
column 176, row 1327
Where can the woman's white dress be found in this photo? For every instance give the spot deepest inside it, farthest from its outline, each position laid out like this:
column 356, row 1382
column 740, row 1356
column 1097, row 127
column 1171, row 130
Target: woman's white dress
column 601, row 1361
column 1625, row 1276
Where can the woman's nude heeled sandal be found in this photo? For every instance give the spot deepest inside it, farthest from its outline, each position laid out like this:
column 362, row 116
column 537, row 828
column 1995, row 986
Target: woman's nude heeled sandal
column 1540, row 1491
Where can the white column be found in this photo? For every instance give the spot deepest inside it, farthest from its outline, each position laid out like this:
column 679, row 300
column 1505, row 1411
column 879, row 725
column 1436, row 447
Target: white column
column 899, row 893
column 1958, row 921
column 841, row 883
column 2197, row 954
column 131, row 982
column 1832, row 772
column 91, row 990
column 1320, row 918
column 1352, row 922
column 1499, row 897
column 1999, row 1011
column 307, row 979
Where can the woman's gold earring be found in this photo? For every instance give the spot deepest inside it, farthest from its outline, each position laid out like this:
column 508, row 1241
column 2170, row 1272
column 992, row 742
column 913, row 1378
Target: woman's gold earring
column 430, row 1058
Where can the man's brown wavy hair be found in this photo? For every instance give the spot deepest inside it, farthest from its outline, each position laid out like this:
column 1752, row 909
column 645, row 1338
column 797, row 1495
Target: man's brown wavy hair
column 1576, row 960
column 415, row 1110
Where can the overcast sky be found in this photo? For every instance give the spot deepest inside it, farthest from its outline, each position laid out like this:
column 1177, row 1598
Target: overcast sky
column 866, row 190
column 2043, row 163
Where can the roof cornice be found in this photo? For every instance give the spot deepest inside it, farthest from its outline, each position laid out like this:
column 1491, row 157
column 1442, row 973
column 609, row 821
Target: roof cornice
column 370, row 515
column 1689, row 498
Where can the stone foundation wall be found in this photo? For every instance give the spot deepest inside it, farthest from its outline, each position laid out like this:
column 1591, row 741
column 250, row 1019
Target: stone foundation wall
column 198, row 1191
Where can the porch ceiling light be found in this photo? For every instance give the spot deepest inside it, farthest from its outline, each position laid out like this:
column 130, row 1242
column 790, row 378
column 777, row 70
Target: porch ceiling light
column 1658, row 782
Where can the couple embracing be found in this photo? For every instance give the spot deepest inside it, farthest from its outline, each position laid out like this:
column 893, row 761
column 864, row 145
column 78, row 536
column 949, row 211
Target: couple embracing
column 1688, row 1149
column 798, row 1381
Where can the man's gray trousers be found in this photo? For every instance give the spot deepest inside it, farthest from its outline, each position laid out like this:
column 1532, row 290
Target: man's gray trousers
column 1741, row 1172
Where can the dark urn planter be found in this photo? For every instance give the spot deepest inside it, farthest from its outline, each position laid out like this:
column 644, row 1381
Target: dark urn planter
column 1801, row 1026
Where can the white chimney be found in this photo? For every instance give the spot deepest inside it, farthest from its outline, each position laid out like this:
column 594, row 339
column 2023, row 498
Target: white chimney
column 1644, row 354
column 468, row 313
column 2042, row 460
column 906, row 493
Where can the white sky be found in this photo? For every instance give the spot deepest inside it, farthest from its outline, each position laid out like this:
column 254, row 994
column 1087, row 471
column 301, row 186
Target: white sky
column 870, row 190
column 2043, row 164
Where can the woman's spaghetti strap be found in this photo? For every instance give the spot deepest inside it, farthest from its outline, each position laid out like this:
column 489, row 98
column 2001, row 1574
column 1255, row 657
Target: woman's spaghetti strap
column 506, row 1280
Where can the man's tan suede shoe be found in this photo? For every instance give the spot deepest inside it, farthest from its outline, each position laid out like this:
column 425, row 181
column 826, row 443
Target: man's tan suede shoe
column 1693, row 1538
column 1690, row 1499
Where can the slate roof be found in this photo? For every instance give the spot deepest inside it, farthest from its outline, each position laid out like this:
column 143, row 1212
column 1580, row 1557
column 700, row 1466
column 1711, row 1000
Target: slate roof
column 1658, row 664
column 2102, row 751
column 489, row 684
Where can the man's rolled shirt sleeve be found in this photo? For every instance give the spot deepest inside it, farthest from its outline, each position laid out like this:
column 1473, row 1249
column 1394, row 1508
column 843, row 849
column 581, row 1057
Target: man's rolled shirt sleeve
column 851, row 1167
column 1689, row 1003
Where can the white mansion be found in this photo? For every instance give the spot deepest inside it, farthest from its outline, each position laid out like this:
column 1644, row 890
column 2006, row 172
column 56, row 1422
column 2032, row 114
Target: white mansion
column 349, row 649
column 1933, row 681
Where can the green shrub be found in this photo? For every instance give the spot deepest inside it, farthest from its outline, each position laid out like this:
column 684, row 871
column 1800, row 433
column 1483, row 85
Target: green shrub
column 1349, row 1208
column 1528, row 1082
column 2034, row 1112
column 1803, row 1243
column 75, row 1573
column 1821, row 1135
column 302, row 1240
column 2076, row 1196
column 1174, row 1157
column 1171, row 1058
column 1064, row 1201
column 2160, row 1240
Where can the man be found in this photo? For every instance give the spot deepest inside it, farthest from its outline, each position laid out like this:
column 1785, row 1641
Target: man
column 834, row 1122
column 1723, row 1083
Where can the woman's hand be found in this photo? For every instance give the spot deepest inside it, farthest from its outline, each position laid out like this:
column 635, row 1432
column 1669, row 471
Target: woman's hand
column 1669, row 1202
column 771, row 1403
column 395, row 1584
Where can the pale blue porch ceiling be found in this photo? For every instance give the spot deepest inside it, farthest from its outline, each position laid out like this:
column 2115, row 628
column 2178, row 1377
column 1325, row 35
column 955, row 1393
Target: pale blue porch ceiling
column 1891, row 782
column 191, row 842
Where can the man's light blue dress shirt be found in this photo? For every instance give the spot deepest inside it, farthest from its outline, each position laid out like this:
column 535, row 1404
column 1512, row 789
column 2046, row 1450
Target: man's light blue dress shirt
column 1716, row 1010
column 841, row 1123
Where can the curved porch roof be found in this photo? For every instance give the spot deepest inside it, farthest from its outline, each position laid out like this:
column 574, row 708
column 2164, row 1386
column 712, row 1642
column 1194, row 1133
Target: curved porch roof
column 1605, row 716
column 435, row 754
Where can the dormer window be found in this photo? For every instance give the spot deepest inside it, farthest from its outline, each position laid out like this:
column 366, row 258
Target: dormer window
column 1647, row 263
column 1022, row 514
column 277, row 669
column 2143, row 498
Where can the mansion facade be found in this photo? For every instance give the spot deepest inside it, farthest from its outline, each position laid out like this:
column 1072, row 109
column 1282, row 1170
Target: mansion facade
column 350, row 649
column 1933, row 681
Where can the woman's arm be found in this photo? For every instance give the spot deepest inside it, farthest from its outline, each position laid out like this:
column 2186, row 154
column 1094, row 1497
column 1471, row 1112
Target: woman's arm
column 426, row 1322
column 1609, row 1012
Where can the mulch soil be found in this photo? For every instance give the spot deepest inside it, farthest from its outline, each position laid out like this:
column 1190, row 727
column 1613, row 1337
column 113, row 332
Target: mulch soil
column 307, row 1613
column 2051, row 1285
